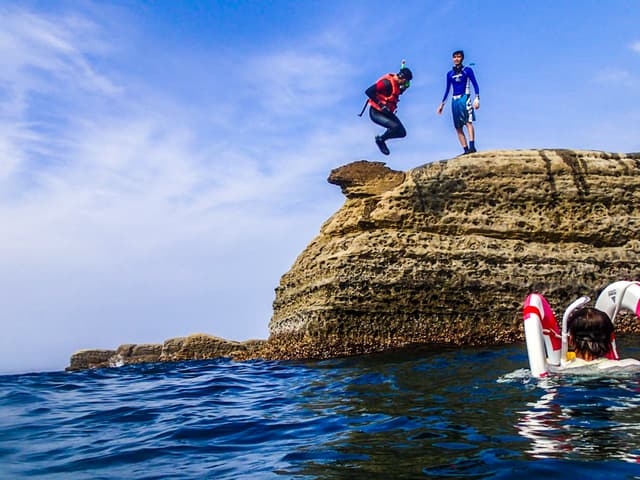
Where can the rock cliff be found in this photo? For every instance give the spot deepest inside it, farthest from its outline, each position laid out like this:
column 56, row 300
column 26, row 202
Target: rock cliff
column 444, row 253
column 447, row 252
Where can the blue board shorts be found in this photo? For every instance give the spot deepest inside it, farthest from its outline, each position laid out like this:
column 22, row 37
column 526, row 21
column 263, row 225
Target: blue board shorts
column 462, row 111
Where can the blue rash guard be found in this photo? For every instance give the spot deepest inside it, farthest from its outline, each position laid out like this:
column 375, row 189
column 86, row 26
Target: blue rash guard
column 460, row 82
column 461, row 109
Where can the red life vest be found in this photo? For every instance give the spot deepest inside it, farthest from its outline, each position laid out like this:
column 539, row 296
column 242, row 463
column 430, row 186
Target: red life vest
column 391, row 102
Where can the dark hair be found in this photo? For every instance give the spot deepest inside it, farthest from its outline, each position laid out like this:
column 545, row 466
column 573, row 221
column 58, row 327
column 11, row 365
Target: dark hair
column 591, row 331
column 458, row 52
column 405, row 73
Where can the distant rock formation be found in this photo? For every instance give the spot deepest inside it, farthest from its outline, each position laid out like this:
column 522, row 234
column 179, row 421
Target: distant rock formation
column 447, row 252
column 193, row 347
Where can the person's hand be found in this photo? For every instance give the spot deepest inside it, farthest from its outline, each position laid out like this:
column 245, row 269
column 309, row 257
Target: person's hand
column 440, row 108
column 476, row 103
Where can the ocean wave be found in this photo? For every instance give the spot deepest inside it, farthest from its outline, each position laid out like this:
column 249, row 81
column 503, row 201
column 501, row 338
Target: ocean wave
column 467, row 413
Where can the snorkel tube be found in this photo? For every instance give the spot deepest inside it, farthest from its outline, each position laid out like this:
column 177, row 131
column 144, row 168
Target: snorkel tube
column 407, row 83
column 565, row 320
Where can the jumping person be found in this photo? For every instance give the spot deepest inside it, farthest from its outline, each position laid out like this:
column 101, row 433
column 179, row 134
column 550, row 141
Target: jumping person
column 384, row 96
column 462, row 108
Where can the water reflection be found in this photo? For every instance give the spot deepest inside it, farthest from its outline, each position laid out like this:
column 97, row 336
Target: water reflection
column 593, row 418
column 448, row 415
column 412, row 415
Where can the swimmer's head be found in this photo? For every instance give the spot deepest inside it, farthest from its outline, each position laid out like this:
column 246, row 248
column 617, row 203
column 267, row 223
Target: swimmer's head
column 590, row 332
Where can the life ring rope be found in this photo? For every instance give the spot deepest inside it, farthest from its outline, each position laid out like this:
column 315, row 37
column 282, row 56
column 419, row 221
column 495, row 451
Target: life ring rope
column 549, row 332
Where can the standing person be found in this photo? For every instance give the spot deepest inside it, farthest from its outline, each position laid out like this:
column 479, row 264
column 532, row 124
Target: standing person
column 459, row 78
column 384, row 96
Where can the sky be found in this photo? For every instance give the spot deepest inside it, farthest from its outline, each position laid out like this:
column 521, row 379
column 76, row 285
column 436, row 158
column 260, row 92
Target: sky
column 163, row 164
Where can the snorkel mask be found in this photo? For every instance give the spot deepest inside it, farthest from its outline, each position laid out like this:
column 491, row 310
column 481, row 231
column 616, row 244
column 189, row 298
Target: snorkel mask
column 406, row 75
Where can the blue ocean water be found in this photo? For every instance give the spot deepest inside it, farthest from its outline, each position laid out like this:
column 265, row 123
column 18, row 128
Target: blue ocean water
column 422, row 413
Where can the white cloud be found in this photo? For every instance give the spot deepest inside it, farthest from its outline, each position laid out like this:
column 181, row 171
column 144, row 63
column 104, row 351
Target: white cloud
column 615, row 77
column 121, row 210
column 45, row 62
column 635, row 46
column 36, row 48
column 294, row 82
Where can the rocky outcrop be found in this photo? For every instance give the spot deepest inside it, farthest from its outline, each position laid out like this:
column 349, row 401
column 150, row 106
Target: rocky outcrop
column 444, row 253
column 447, row 252
column 193, row 347
column 84, row 359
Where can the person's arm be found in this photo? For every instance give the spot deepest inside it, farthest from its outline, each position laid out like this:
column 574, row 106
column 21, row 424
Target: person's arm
column 446, row 94
column 371, row 92
column 474, row 82
column 383, row 87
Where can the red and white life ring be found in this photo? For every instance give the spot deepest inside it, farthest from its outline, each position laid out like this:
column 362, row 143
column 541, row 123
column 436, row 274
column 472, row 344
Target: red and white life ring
column 547, row 345
column 542, row 335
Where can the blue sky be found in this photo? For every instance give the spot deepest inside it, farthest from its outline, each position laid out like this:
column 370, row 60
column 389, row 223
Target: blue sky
column 163, row 163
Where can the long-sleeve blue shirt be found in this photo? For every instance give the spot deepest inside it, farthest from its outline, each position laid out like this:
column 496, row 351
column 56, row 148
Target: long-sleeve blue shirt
column 460, row 82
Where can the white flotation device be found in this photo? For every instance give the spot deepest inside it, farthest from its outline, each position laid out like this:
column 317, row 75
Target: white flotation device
column 542, row 335
column 547, row 345
column 617, row 296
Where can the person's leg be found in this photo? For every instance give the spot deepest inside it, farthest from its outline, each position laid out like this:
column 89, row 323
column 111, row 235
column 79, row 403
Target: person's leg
column 471, row 116
column 459, row 113
column 397, row 130
column 472, row 137
column 394, row 126
column 382, row 146
column 462, row 138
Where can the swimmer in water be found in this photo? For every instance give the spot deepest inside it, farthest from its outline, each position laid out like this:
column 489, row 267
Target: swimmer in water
column 590, row 335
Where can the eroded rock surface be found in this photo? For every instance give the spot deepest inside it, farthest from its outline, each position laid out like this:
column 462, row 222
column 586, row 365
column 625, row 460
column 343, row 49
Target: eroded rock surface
column 447, row 252
column 444, row 253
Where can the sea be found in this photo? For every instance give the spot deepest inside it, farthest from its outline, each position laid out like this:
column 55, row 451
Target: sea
column 429, row 412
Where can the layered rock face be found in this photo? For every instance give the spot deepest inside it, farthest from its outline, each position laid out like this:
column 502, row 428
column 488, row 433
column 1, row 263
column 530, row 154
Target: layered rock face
column 447, row 252
column 444, row 253
column 193, row 347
